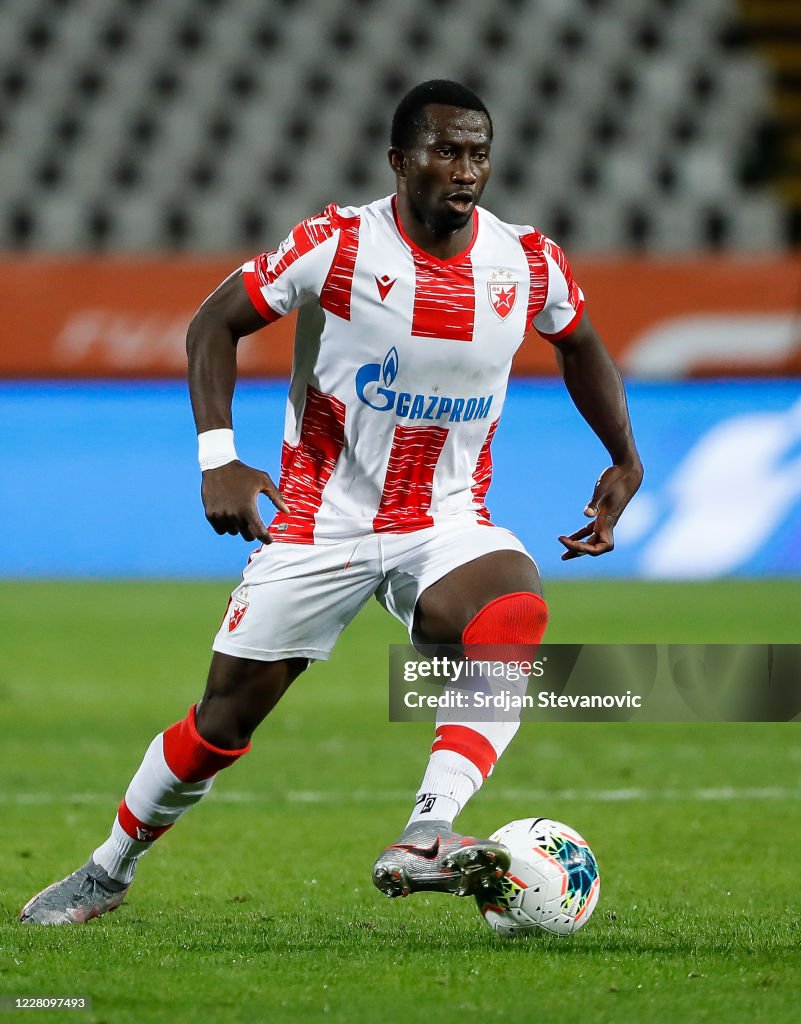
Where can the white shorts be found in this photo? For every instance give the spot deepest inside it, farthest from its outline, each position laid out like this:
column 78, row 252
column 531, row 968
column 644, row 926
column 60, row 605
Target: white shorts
column 295, row 599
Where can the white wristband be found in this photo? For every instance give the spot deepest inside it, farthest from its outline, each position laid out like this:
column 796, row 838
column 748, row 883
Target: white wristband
column 215, row 448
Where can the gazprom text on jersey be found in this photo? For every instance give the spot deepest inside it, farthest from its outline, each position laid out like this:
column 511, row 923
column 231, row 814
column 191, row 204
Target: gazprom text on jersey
column 414, row 406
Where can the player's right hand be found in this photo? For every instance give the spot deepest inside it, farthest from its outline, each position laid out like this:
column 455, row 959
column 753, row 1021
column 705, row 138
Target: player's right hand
column 229, row 496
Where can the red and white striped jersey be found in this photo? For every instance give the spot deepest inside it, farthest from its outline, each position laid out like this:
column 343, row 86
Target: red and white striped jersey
column 401, row 364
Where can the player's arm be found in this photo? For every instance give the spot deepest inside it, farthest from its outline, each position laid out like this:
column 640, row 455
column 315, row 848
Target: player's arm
column 596, row 388
column 229, row 492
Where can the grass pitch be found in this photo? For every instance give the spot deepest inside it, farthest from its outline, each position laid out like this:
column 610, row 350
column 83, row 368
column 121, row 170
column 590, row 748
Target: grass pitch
column 258, row 905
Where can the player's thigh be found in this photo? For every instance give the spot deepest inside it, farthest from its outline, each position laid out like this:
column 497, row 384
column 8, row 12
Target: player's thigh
column 438, row 579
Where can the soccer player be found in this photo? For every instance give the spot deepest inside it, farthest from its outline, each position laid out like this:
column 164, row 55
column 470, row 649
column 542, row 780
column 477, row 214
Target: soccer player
column 409, row 312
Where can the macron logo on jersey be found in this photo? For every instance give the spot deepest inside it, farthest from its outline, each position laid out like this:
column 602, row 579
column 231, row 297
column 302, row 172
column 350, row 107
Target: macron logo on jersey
column 409, row 406
column 384, row 285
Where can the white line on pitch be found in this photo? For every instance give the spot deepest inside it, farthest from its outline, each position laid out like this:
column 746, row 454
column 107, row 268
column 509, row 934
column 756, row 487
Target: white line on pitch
column 366, row 796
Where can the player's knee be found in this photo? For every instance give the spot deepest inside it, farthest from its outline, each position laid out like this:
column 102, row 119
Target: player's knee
column 193, row 757
column 219, row 723
column 513, row 623
column 240, row 694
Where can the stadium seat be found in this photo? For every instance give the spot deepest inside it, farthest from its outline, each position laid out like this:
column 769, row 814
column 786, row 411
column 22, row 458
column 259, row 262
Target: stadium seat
column 215, row 124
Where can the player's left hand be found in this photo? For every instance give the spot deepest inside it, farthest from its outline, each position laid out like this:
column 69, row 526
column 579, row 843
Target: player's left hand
column 615, row 488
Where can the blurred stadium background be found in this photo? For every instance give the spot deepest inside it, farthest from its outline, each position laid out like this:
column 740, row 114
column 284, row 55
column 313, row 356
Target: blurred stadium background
column 146, row 148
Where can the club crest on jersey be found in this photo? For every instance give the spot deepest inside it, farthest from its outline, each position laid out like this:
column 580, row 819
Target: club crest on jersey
column 238, row 608
column 410, row 406
column 502, row 292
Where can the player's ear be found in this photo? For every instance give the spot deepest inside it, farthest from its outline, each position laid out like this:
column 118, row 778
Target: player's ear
column 397, row 160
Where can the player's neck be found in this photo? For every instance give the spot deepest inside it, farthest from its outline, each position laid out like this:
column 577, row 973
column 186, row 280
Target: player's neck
column 425, row 237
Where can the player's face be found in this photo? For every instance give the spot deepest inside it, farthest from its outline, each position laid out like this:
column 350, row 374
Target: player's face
column 447, row 168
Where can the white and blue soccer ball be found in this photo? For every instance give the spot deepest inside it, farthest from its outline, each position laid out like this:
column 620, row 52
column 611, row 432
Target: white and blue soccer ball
column 552, row 884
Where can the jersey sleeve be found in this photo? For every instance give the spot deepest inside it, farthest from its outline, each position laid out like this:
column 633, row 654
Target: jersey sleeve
column 287, row 277
column 556, row 302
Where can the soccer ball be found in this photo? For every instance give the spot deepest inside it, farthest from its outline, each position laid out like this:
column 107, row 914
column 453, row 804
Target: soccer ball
column 553, row 883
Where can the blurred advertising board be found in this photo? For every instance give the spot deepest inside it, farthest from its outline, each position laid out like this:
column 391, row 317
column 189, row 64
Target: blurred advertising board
column 107, row 476
column 127, row 317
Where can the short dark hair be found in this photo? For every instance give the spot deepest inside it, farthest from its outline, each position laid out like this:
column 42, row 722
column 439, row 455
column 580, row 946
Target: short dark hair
column 409, row 119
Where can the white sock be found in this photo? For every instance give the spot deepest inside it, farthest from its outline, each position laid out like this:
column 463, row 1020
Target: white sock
column 155, row 799
column 119, row 854
column 449, row 782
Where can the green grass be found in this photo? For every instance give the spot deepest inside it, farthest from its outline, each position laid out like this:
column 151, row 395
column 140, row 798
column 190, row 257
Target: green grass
column 258, row 905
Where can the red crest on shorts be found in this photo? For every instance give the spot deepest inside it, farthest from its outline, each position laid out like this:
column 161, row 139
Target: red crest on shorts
column 502, row 296
column 237, row 614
